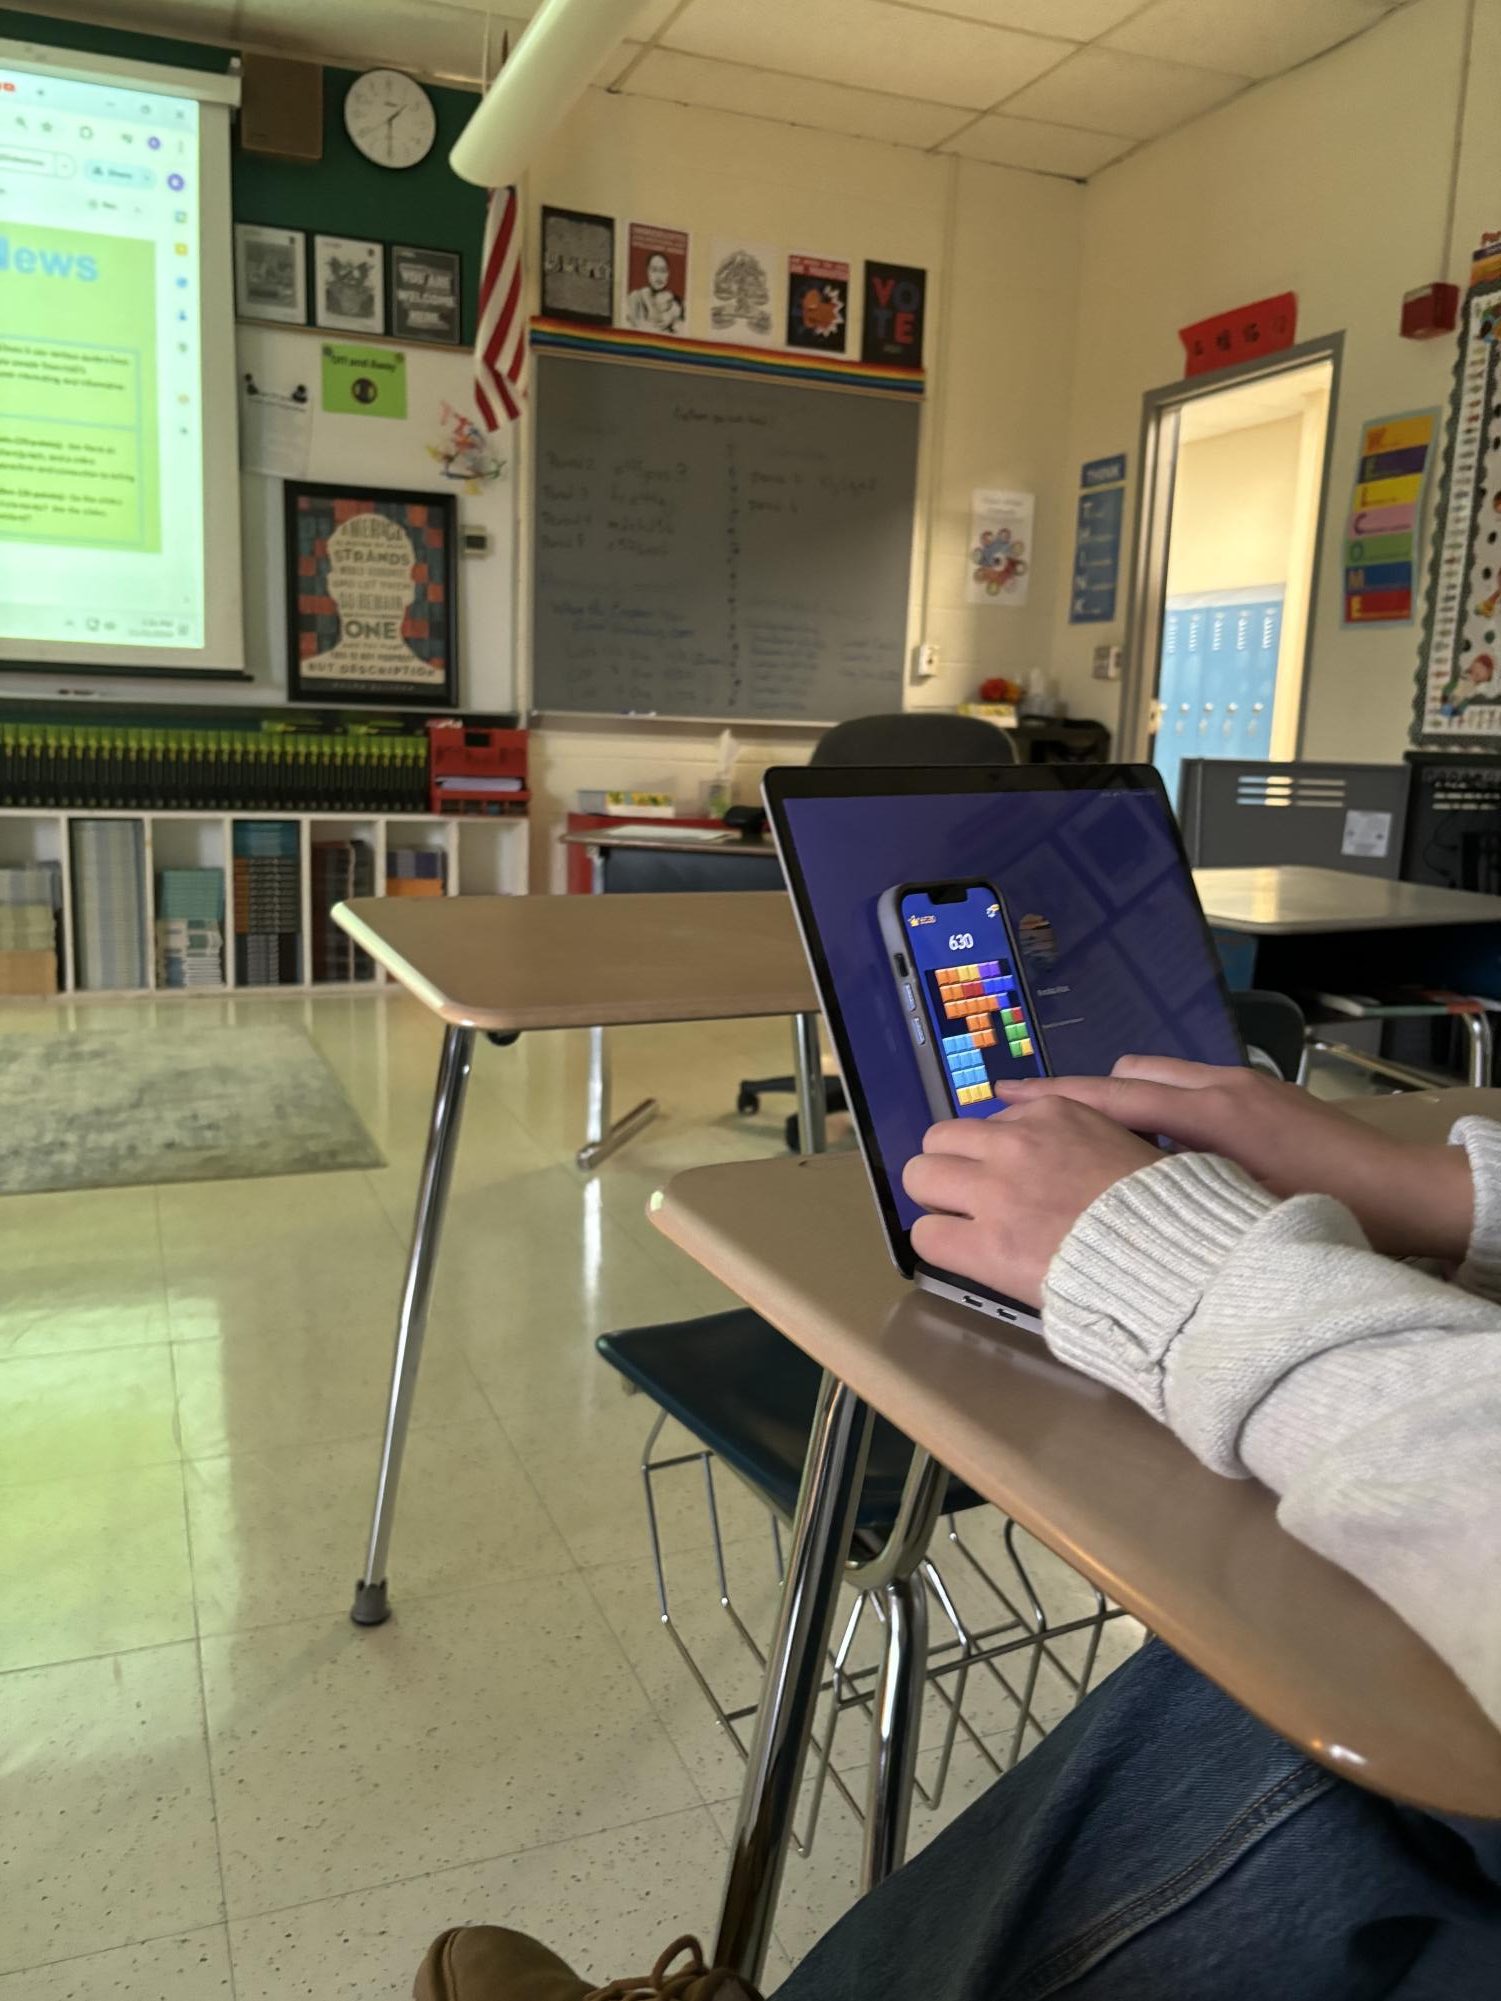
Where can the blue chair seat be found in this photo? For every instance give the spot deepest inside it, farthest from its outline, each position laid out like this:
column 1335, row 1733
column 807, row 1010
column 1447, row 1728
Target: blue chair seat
column 749, row 1394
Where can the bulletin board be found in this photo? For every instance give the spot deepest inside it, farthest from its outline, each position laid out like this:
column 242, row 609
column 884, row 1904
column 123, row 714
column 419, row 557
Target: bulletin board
column 1458, row 700
column 415, row 451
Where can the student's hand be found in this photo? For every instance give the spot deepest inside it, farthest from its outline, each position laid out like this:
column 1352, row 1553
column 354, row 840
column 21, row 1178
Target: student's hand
column 1006, row 1191
column 1411, row 1201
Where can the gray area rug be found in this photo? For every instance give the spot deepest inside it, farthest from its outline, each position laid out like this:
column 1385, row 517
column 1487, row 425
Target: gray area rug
column 183, row 1101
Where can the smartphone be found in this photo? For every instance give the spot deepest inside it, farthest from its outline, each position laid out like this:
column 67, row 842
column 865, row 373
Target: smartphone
column 962, row 985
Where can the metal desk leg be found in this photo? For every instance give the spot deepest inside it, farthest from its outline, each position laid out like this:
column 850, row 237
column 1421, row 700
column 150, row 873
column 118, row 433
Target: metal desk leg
column 895, row 1727
column 601, row 1138
column 832, row 1478
column 371, row 1605
column 812, row 1106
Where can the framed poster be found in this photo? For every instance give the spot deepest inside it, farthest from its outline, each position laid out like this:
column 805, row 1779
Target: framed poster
column 270, row 274
column 578, row 266
column 372, row 599
column 349, row 284
column 426, row 295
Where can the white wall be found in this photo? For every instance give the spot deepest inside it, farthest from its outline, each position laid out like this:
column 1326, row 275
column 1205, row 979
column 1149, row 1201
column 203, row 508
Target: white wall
column 1000, row 249
column 1329, row 182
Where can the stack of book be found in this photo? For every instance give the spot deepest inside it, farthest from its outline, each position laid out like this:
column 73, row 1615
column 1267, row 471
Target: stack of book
column 30, row 894
column 416, row 872
column 109, row 904
column 190, row 927
column 341, row 869
column 268, row 904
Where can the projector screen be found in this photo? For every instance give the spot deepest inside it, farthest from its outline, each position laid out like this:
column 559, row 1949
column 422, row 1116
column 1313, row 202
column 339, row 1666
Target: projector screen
column 119, row 497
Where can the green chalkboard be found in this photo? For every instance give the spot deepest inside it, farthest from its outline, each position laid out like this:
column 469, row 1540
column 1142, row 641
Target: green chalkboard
column 341, row 194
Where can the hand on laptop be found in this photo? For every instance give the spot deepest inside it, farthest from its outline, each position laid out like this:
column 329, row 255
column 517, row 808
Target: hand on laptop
column 1411, row 1201
column 1006, row 1191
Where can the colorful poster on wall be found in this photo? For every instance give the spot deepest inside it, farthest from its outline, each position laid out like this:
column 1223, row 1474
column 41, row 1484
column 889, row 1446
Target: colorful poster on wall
column 1097, row 541
column 745, row 293
column 1264, row 327
column 1386, row 514
column 895, row 301
column 578, row 266
column 1000, row 546
column 371, row 609
column 364, row 381
column 818, row 303
column 656, row 279
column 1459, row 680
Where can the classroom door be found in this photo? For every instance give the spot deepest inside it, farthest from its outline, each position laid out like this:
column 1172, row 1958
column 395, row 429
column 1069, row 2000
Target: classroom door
column 1233, row 493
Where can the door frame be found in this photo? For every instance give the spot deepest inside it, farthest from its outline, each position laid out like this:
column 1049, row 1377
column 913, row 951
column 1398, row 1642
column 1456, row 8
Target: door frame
column 1156, row 464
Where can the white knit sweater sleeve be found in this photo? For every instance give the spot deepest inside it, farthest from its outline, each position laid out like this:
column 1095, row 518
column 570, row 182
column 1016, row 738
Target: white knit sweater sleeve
column 1274, row 1342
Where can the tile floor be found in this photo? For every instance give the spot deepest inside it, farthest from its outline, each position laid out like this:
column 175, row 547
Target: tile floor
column 210, row 1782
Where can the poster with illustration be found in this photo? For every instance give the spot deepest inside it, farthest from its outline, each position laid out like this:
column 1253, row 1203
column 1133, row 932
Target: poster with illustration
column 894, row 304
column 1000, row 547
column 745, row 293
column 1458, row 696
column 578, row 266
column 656, row 279
column 818, row 304
column 372, row 611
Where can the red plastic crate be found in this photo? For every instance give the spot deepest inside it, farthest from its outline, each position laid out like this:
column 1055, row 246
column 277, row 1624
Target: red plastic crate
column 474, row 771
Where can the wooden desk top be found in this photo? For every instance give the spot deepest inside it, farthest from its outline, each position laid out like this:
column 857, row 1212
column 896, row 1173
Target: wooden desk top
column 1198, row 1558
column 1277, row 902
column 520, row 962
column 629, row 836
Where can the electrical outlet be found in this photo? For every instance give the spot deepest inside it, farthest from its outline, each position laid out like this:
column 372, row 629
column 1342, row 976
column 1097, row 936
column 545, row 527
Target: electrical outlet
column 1107, row 663
column 924, row 661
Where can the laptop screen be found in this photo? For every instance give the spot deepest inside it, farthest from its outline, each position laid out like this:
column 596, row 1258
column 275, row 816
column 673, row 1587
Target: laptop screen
column 1038, row 922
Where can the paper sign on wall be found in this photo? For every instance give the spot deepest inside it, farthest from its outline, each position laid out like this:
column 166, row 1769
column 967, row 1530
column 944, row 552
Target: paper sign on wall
column 364, row 381
column 1097, row 541
column 1000, row 546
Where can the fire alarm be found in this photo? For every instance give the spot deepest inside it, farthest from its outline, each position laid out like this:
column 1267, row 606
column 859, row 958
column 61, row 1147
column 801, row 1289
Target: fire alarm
column 1430, row 311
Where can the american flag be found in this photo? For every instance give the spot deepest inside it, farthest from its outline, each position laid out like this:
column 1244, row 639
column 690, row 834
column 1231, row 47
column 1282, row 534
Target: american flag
column 500, row 346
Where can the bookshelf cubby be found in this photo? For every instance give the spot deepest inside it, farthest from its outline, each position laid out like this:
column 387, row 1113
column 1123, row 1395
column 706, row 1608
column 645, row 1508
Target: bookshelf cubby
column 476, row 856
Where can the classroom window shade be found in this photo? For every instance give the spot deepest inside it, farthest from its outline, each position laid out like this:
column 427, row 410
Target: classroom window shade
column 119, row 505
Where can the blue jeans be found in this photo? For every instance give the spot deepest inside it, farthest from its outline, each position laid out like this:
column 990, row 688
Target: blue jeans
column 1161, row 1845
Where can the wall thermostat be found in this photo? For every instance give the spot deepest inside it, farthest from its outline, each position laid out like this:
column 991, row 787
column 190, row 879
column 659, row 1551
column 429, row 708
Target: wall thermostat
column 475, row 541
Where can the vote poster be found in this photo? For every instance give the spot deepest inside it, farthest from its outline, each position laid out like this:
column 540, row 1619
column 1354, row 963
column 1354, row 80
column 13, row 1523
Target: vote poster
column 894, row 304
column 1386, row 513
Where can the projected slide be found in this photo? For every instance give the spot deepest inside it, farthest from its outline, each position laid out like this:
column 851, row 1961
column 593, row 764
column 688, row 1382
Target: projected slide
column 101, row 438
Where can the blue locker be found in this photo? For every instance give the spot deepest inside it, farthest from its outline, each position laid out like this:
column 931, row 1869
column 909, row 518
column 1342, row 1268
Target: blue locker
column 1218, row 678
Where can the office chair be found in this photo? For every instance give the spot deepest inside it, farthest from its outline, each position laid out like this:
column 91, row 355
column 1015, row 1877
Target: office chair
column 909, row 737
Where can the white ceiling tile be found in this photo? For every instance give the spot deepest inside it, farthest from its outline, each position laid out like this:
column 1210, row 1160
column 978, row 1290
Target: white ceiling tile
column 1075, row 20
column 869, row 43
column 1104, row 90
column 1258, row 38
column 1043, row 149
column 793, row 100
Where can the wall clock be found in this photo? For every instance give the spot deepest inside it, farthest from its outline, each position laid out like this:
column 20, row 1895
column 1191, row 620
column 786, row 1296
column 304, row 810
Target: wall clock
column 390, row 118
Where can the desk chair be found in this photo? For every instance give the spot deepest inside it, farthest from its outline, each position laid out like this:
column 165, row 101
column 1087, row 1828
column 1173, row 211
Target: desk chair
column 908, row 737
column 749, row 1397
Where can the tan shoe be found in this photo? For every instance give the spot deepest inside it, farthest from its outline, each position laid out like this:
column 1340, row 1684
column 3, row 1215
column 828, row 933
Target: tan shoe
column 488, row 1963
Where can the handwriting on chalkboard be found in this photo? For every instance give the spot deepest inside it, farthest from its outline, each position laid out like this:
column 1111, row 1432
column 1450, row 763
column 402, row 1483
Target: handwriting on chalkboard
column 720, row 547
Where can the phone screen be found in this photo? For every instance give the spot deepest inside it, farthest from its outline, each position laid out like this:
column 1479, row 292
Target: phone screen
column 974, row 999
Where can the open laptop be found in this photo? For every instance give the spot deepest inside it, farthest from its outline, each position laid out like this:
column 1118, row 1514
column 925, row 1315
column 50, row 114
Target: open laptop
column 970, row 925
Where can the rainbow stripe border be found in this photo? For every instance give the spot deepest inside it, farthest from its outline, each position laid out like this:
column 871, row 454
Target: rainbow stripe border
column 621, row 344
